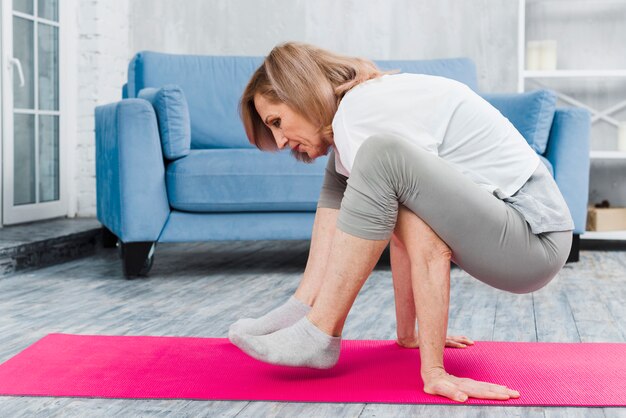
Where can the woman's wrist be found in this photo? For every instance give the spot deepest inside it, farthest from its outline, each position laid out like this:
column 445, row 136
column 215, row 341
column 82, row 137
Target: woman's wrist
column 406, row 333
column 407, row 337
column 431, row 361
column 432, row 371
column 408, row 342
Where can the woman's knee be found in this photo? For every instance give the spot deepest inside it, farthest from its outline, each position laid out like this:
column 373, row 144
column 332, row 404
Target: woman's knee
column 397, row 166
column 377, row 146
column 380, row 176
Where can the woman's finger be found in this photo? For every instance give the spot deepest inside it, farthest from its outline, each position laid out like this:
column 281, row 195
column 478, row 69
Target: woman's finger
column 490, row 395
column 503, row 389
column 461, row 388
column 484, row 390
column 461, row 339
column 458, row 342
column 486, row 393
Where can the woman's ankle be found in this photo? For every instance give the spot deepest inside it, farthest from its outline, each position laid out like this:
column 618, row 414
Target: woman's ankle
column 306, row 297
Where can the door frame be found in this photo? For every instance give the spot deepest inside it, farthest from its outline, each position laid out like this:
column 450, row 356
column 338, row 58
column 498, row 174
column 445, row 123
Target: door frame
column 67, row 120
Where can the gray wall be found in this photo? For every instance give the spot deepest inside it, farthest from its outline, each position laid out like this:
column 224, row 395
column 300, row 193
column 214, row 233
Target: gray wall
column 485, row 30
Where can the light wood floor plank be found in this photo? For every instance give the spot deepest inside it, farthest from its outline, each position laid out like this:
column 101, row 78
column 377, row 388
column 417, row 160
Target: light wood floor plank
column 300, row 410
column 514, row 318
column 553, row 314
column 456, row 411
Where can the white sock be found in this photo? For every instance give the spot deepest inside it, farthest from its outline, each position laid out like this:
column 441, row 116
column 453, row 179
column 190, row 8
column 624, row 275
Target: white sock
column 285, row 315
column 300, row 345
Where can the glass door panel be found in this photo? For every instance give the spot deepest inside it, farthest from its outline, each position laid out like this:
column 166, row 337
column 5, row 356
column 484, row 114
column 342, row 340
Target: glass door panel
column 48, row 67
column 24, row 6
column 48, row 9
column 23, row 41
column 48, row 158
column 24, row 177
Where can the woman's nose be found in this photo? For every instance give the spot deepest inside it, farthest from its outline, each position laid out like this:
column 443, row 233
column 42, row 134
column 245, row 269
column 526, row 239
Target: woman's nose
column 281, row 141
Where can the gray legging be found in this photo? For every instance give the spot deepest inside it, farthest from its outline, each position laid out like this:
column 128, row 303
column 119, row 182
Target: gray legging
column 489, row 239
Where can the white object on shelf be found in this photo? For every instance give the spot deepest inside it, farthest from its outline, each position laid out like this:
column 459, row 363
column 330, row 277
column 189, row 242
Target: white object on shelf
column 608, row 235
column 611, row 155
column 621, row 137
column 533, row 56
column 548, row 56
column 541, row 55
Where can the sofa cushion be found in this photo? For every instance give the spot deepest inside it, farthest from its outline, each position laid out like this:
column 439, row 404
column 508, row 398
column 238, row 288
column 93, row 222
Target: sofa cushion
column 531, row 113
column 172, row 113
column 243, row 180
column 214, row 84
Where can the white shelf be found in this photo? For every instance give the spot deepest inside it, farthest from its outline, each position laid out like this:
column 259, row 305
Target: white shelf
column 608, row 235
column 619, row 2
column 575, row 74
column 612, row 155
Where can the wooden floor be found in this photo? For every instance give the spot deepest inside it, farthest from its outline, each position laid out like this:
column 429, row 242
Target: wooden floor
column 200, row 289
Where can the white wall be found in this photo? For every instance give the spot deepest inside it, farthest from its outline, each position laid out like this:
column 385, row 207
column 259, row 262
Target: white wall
column 104, row 51
column 485, row 30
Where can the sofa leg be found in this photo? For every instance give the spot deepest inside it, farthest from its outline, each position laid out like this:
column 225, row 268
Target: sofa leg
column 575, row 251
column 109, row 239
column 137, row 258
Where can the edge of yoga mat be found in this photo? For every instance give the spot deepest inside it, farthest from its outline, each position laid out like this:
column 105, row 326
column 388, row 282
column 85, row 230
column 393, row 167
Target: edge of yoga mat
column 368, row 371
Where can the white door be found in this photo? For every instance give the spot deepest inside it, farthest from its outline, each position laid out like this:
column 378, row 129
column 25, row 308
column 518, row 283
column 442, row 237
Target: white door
column 33, row 149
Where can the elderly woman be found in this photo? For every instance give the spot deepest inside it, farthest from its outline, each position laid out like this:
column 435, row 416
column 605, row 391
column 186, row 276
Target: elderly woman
column 418, row 160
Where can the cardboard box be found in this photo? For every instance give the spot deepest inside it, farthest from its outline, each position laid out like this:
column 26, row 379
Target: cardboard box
column 606, row 219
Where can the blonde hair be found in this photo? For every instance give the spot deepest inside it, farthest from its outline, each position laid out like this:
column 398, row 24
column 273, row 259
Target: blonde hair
column 309, row 80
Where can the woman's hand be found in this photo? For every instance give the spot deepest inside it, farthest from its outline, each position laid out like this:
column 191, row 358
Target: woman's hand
column 451, row 341
column 438, row 382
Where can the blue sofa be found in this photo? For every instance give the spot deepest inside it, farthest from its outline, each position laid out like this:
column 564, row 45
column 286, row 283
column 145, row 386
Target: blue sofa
column 222, row 188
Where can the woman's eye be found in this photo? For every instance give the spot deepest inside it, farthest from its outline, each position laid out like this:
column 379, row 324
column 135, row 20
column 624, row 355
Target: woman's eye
column 276, row 123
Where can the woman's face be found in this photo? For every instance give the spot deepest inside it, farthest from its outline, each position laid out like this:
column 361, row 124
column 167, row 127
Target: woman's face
column 291, row 129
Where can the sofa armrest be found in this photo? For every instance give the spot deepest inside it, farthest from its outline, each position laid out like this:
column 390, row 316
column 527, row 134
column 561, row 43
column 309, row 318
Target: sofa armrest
column 130, row 173
column 568, row 151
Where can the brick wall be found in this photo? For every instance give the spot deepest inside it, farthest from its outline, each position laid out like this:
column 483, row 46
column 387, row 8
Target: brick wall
column 103, row 55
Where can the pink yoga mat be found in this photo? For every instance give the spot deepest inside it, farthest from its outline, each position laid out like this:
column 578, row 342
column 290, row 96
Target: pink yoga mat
column 545, row 374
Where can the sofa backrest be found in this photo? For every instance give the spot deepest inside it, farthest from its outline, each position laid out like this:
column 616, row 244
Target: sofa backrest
column 213, row 86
